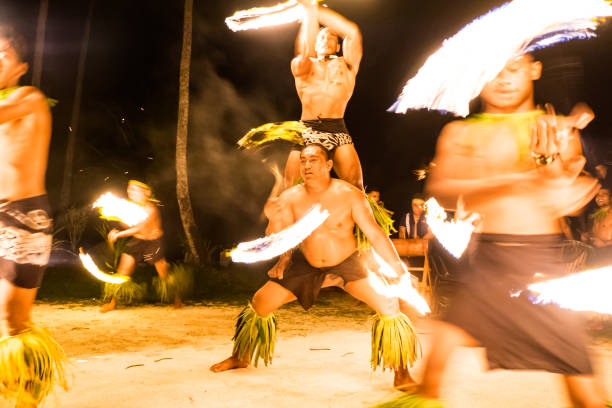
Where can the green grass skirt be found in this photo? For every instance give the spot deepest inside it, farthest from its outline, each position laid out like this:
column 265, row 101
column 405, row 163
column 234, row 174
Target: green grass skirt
column 255, row 336
column 179, row 283
column 126, row 293
column 411, row 401
column 394, row 342
column 289, row 131
column 31, row 364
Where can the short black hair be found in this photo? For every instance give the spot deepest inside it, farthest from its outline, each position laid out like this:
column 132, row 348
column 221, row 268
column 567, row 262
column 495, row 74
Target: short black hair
column 16, row 41
column 321, row 147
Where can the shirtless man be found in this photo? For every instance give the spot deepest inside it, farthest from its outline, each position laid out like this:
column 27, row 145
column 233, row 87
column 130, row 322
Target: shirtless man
column 327, row 257
column 146, row 242
column 325, row 83
column 601, row 235
column 25, row 230
column 520, row 170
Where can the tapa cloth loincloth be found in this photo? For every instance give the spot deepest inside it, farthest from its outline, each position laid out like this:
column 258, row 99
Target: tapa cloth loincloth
column 26, row 234
column 305, row 281
column 145, row 251
column 516, row 333
column 330, row 133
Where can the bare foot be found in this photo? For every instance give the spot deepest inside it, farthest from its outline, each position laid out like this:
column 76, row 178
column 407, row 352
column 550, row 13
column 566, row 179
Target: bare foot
column 108, row 307
column 178, row 303
column 229, row 363
column 403, row 381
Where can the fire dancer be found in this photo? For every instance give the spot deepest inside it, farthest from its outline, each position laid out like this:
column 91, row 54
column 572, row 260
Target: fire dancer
column 328, row 257
column 325, row 83
column 521, row 170
column 144, row 246
column 31, row 362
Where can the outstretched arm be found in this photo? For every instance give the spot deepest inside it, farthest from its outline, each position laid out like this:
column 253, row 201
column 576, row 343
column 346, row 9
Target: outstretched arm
column 306, row 40
column 20, row 103
column 363, row 217
column 352, row 49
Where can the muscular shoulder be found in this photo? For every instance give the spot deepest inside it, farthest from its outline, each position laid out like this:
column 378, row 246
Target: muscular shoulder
column 301, row 65
column 346, row 189
column 27, row 92
column 292, row 194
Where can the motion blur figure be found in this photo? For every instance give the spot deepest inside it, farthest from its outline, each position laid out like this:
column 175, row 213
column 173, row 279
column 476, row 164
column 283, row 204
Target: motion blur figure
column 145, row 244
column 31, row 362
column 325, row 83
column 520, row 169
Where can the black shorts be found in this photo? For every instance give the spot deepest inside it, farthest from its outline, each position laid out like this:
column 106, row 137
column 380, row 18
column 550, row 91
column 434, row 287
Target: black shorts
column 305, row 281
column 25, row 240
column 493, row 305
column 145, row 251
column 330, row 133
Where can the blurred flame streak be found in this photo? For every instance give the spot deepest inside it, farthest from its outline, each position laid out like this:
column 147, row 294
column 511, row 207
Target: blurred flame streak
column 403, row 289
column 453, row 235
column 114, row 208
column 584, row 291
column 457, row 72
column 91, row 267
column 258, row 17
column 276, row 244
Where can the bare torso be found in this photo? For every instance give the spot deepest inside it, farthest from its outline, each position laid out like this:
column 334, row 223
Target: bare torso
column 332, row 242
column 327, row 88
column 23, row 154
column 150, row 228
column 486, row 150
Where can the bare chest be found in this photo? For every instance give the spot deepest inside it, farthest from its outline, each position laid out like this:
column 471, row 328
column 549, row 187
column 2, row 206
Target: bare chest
column 340, row 217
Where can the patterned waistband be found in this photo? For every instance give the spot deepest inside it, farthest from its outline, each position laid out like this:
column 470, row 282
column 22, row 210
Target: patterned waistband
column 329, row 125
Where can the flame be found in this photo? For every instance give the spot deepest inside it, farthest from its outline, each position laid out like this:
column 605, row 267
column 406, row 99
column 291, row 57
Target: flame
column 112, row 207
column 453, row 235
column 402, row 290
column 258, row 17
column 584, row 291
column 276, row 244
column 91, row 267
column 458, row 71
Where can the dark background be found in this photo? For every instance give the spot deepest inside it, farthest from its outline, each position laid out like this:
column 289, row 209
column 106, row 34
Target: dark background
column 240, row 80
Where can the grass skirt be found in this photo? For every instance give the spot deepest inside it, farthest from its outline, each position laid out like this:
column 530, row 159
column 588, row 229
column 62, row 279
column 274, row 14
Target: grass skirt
column 255, row 336
column 411, row 401
column 126, row 293
column 31, row 364
column 289, row 131
column 178, row 285
column 394, row 342
column 382, row 217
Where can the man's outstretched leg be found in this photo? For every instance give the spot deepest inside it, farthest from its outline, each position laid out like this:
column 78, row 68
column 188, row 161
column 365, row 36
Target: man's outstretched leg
column 256, row 328
column 292, row 169
column 394, row 341
column 126, row 267
column 168, row 285
column 347, row 165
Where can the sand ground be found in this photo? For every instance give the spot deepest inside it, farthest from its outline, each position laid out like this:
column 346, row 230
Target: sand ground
column 156, row 356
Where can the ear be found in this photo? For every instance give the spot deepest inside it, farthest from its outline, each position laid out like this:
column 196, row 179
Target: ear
column 338, row 48
column 330, row 165
column 22, row 68
column 536, row 70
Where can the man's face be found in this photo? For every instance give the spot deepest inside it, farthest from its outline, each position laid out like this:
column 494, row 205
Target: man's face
column 137, row 193
column 313, row 164
column 513, row 86
column 374, row 195
column 327, row 43
column 418, row 206
column 603, row 197
column 11, row 69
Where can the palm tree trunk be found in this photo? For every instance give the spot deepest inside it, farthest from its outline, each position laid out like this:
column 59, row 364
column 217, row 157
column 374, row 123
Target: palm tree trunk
column 76, row 111
column 182, row 180
column 40, row 43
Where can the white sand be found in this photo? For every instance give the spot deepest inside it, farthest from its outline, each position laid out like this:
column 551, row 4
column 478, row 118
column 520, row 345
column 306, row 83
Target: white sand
column 170, row 352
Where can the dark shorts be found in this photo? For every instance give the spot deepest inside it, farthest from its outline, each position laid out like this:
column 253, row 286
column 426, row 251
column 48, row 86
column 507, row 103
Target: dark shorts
column 516, row 333
column 330, row 133
column 305, row 281
column 145, row 251
column 26, row 234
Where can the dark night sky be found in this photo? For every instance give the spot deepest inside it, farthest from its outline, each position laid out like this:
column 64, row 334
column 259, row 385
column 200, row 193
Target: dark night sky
column 241, row 80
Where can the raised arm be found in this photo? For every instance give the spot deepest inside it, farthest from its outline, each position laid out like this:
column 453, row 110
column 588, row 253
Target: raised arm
column 352, row 48
column 363, row 217
column 22, row 102
column 306, row 40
